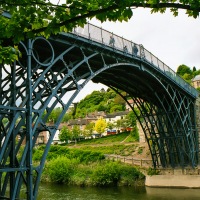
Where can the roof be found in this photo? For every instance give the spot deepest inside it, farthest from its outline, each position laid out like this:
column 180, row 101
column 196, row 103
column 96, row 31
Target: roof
column 117, row 114
column 196, row 78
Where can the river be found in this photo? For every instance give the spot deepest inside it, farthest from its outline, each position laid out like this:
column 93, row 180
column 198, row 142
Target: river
column 63, row 192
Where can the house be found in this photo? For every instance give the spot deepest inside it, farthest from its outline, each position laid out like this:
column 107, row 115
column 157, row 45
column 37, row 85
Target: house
column 196, row 81
column 129, row 104
column 115, row 116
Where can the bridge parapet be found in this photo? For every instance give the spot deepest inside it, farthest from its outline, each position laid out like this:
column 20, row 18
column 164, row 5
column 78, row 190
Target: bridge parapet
column 131, row 49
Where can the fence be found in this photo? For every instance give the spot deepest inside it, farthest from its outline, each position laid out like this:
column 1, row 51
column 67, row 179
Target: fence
column 130, row 160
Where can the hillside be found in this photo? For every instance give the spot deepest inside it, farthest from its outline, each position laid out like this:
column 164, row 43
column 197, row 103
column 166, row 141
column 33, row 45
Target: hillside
column 108, row 101
column 123, row 144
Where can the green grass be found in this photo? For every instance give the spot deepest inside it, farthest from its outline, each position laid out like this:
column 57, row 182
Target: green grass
column 118, row 149
column 106, row 139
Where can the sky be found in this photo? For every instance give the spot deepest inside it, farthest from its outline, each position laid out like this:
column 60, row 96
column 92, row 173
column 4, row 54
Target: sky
column 174, row 40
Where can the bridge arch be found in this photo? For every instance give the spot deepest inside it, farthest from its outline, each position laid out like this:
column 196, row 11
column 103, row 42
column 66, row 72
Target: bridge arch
column 51, row 71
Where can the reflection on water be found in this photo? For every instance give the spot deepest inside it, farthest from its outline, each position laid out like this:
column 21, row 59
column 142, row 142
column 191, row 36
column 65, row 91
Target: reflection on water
column 64, row 192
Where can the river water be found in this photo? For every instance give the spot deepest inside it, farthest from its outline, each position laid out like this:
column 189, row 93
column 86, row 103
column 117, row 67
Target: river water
column 63, row 192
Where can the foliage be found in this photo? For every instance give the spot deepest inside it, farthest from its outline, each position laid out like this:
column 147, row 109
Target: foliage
column 99, row 101
column 86, row 156
column 120, row 149
column 100, row 125
column 106, row 174
column 183, row 69
column 110, row 125
column 89, row 129
column 135, row 134
column 54, row 115
column 55, row 151
column 186, row 73
column 60, row 169
column 65, row 134
column 152, row 171
column 96, row 174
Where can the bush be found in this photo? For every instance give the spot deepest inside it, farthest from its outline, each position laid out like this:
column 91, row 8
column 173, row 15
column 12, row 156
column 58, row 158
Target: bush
column 37, row 155
column 130, row 175
column 152, row 171
column 60, row 169
column 107, row 174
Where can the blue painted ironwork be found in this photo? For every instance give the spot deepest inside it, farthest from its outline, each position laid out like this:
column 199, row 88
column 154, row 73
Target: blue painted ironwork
column 52, row 72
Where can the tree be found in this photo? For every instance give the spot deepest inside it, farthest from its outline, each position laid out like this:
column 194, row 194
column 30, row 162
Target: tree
column 65, row 134
column 110, row 125
column 194, row 69
column 30, row 18
column 54, row 115
column 100, row 125
column 89, row 128
column 76, row 132
column 183, row 69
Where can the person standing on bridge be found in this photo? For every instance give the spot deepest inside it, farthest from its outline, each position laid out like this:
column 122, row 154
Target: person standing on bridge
column 135, row 50
column 112, row 41
column 125, row 49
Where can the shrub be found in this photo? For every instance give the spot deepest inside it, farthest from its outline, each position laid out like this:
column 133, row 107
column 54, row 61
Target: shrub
column 60, row 169
column 131, row 174
column 37, row 155
column 107, row 174
column 152, row 171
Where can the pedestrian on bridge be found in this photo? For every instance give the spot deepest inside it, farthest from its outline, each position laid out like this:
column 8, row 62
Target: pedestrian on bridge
column 112, row 41
column 125, row 49
column 135, row 50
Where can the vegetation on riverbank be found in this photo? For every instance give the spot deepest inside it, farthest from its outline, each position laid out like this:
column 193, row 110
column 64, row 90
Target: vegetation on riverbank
column 86, row 168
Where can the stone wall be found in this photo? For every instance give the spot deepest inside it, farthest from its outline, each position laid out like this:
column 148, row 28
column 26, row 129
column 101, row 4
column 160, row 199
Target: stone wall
column 173, row 181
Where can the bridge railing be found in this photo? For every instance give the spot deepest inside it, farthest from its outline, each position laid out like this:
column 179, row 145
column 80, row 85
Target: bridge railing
column 130, row 48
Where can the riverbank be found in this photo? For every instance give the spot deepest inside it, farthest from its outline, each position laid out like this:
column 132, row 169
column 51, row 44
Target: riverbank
column 86, row 168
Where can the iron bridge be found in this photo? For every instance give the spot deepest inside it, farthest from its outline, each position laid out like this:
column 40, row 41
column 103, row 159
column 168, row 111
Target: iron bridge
column 52, row 72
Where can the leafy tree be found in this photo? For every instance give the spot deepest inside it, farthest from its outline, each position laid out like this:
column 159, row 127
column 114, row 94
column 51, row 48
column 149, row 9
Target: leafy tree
column 187, row 77
column 194, row 69
column 119, row 100
column 131, row 117
column 65, row 134
column 67, row 117
column 76, row 132
column 118, row 124
column 89, row 129
column 54, row 115
column 183, row 69
column 110, row 125
column 100, row 125
column 30, row 18
column 116, row 108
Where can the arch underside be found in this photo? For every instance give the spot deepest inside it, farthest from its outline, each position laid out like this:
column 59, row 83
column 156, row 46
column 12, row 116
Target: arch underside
column 51, row 74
